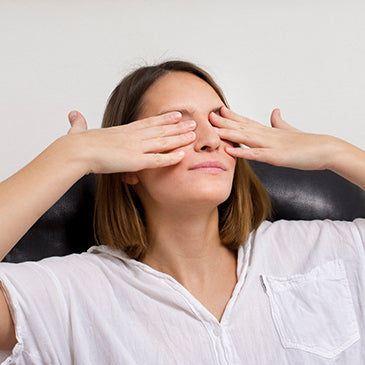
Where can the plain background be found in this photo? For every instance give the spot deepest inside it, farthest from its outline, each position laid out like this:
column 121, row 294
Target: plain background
column 305, row 57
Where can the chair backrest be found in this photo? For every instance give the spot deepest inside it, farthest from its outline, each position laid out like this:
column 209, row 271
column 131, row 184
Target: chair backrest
column 296, row 195
column 309, row 195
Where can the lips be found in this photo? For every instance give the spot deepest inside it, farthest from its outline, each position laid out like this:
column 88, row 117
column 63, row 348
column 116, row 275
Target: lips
column 209, row 167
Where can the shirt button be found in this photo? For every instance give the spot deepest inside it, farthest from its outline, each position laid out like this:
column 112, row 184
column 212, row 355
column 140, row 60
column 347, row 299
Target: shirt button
column 217, row 330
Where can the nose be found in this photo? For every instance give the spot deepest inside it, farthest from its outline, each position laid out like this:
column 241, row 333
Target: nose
column 206, row 137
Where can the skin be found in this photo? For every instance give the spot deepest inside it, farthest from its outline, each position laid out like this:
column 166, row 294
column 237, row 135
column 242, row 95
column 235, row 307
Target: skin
column 180, row 203
column 283, row 145
column 156, row 153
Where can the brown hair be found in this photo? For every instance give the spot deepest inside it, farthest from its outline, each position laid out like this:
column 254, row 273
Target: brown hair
column 119, row 217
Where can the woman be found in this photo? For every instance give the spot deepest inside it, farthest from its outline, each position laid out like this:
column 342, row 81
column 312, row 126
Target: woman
column 179, row 278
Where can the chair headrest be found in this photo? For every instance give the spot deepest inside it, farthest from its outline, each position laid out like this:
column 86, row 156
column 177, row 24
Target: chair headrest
column 67, row 227
column 309, row 195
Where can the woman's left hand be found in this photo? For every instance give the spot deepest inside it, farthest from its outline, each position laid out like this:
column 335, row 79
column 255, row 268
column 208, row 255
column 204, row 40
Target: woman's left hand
column 283, row 145
column 280, row 145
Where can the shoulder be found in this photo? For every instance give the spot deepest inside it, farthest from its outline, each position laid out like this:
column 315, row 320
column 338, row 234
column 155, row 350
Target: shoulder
column 66, row 273
column 306, row 230
column 285, row 242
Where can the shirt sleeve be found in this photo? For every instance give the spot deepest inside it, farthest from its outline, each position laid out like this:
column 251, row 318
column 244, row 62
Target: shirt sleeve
column 348, row 236
column 39, row 308
column 359, row 230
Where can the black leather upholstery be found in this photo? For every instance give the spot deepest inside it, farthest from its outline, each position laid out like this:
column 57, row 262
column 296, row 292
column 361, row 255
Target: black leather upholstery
column 308, row 195
column 67, row 226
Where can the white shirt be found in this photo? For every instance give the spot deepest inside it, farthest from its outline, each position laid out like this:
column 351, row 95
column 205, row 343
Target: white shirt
column 299, row 299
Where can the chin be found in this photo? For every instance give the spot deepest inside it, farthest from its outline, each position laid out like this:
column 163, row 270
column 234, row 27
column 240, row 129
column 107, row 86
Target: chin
column 212, row 196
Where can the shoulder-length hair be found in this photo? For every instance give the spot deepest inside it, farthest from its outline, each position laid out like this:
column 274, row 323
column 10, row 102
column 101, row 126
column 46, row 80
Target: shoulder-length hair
column 119, row 216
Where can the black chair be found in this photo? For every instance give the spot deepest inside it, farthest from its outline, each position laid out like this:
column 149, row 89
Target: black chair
column 296, row 195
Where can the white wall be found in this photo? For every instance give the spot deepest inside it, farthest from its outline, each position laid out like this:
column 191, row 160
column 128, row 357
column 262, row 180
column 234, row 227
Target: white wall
column 306, row 57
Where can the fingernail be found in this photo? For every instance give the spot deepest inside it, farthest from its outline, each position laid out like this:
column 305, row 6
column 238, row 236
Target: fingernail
column 230, row 149
column 73, row 116
column 177, row 115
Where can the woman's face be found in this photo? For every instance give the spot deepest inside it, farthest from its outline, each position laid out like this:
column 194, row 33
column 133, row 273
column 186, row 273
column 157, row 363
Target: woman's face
column 186, row 183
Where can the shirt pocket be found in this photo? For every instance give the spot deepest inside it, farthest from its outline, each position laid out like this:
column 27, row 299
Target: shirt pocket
column 314, row 311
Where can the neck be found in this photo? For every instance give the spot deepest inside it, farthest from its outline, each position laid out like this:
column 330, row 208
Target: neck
column 187, row 246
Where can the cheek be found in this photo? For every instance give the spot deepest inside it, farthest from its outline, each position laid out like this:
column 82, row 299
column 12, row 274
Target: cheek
column 156, row 179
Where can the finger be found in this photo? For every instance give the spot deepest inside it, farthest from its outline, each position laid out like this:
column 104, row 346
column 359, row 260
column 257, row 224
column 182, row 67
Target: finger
column 77, row 121
column 168, row 130
column 256, row 154
column 233, row 135
column 163, row 144
column 223, row 122
column 278, row 122
column 245, row 136
column 155, row 160
column 167, row 118
column 228, row 113
column 235, row 121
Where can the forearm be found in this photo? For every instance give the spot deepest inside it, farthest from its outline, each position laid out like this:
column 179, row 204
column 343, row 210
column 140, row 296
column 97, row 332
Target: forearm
column 25, row 196
column 148, row 143
column 348, row 161
column 283, row 145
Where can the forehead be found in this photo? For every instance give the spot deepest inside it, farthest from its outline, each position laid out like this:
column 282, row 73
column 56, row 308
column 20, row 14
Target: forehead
column 179, row 90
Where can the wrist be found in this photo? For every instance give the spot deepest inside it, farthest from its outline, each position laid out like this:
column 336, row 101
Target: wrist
column 340, row 153
column 349, row 162
column 69, row 152
column 332, row 147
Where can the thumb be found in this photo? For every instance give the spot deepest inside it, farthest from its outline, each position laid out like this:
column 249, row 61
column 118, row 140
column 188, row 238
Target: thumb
column 278, row 122
column 77, row 121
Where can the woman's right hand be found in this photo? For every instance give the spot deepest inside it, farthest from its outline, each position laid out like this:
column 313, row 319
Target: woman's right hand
column 145, row 143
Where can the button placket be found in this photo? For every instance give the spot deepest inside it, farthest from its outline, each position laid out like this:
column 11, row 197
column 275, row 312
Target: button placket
column 220, row 344
column 217, row 330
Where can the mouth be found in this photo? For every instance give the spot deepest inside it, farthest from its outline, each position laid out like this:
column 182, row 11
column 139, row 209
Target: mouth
column 212, row 167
